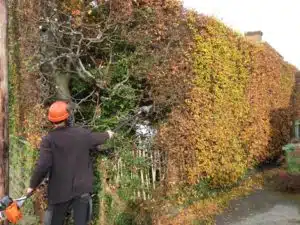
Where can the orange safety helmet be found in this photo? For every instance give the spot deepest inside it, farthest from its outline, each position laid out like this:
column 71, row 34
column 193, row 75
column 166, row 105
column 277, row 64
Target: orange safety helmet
column 58, row 112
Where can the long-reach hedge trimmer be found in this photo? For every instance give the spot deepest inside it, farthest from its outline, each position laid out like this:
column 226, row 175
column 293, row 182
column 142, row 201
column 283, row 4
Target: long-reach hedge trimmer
column 10, row 209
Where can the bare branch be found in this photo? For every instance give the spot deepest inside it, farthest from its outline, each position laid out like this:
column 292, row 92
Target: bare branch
column 84, row 70
column 86, row 98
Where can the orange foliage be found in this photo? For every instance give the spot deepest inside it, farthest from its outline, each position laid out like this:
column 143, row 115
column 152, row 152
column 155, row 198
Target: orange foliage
column 236, row 110
column 269, row 93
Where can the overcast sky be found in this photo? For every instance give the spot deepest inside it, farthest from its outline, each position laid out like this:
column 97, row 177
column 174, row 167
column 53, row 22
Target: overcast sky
column 277, row 19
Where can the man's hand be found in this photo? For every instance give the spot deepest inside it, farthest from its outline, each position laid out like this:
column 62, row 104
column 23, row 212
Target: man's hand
column 111, row 134
column 29, row 191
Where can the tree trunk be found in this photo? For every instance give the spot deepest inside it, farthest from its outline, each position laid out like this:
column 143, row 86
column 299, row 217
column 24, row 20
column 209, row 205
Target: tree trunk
column 3, row 100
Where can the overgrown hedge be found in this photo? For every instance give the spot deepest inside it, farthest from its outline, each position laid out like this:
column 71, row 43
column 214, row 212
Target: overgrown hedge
column 238, row 112
column 221, row 104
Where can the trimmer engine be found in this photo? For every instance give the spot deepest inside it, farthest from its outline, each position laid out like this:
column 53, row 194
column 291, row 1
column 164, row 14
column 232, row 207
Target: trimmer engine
column 10, row 209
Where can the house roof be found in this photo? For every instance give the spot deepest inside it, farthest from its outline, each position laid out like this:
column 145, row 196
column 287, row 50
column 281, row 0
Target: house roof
column 250, row 33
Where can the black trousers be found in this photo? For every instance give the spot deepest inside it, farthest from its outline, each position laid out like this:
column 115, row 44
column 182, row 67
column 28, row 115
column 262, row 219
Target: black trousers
column 81, row 206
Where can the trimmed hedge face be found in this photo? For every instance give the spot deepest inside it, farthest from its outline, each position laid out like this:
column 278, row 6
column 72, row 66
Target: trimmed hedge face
column 269, row 92
column 236, row 114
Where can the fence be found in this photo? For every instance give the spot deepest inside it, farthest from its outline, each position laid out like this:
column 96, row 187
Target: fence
column 138, row 164
column 22, row 158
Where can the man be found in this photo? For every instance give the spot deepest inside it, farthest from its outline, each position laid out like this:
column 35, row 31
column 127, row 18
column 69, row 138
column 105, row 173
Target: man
column 64, row 155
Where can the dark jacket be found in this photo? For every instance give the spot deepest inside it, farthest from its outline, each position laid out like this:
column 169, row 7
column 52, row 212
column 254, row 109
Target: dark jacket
column 64, row 153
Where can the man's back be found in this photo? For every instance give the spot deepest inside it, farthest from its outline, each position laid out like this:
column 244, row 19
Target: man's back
column 65, row 157
column 70, row 172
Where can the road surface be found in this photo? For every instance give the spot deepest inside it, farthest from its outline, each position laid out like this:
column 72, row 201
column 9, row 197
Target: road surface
column 263, row 207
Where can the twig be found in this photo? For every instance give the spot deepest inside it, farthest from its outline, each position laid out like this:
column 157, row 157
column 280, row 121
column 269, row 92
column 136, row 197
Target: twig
column 86, row 98
column 84, row 70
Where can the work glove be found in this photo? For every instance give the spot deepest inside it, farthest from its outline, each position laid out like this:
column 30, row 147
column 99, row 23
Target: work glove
column 111, row 134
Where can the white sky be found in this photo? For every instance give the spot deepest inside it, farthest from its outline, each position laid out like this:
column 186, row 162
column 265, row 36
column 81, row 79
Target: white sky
column 278, row 19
